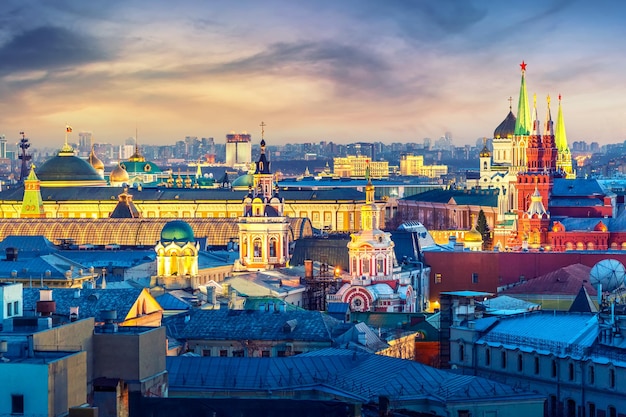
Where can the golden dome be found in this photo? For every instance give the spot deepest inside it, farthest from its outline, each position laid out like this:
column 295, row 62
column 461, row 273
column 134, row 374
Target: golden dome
column 95, row 162
column 473, row 236
column 118, row 175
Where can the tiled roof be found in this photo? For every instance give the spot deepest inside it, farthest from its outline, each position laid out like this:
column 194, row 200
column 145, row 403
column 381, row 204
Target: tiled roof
column 226, row 324
column 563, row 281
column 90, row 302
column 360, row 375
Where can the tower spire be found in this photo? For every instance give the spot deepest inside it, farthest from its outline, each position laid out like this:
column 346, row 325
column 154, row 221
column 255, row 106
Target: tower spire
column 549, row 123
column 523, row 122
column 564, row 156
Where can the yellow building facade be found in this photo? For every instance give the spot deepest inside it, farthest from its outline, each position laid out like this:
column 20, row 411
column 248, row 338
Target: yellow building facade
column 353, row 166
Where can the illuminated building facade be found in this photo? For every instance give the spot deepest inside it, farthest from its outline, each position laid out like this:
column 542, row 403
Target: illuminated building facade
column 353, row 166
column 238, row 149
column 411, row 165
column 375, row 282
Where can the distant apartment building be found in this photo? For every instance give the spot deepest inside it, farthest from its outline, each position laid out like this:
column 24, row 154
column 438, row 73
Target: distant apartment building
column 413, row 165
column 354, row 167
column 238, row 149
column 84, row 142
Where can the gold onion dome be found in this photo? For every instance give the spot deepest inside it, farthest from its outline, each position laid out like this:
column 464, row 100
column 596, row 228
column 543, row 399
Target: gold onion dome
column 485, row 153
column 118, row 174
column 473, row 236
column 95, row 162
column 137, row 156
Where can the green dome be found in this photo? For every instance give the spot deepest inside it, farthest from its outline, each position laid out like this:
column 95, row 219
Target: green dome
column 177, row 231
column 66, row 169
column 244, row 181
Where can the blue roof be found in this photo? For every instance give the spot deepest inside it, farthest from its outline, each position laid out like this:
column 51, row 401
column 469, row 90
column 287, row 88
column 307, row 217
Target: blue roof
column 358, row 375
column 558, row 332
column 579, row 187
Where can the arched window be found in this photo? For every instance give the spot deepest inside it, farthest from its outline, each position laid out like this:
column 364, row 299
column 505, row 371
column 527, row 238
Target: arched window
column 461, row 352
column 366, row 266
column 273, row 247
column 611, row 378
column 256, row 244
column 488, row 357
column 592, row 375
column 570, row 371
column 380, row 266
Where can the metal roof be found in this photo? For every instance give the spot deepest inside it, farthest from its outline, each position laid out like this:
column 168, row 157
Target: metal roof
column 358, row 375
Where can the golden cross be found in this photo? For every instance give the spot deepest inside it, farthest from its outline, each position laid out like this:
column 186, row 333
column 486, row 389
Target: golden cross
column 262, row 129
column 510, row 103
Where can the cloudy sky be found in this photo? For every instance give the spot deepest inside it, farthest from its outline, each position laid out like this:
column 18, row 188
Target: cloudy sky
column 348, row 70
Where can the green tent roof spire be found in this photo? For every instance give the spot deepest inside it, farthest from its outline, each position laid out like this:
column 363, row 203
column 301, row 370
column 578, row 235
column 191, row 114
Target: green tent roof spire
column 560, row 138
column 523, row 124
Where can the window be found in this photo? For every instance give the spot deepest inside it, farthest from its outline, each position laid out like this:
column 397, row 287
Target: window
column 17, row 404
column 273, row 246
column 9, row 309
column 592, row 375
column 536, row 365
column 461, row 353
column 592, row 410
column 206, row 352
column 520, row 363
column 223, row 353
column 488, row 357
column 612, row 411
column 16, row 307
column 265, row 354
column 474, row 278
column 553, row 368
column 503, row 359
column 570, row 371
column 238, row 353
column 437, row 278
column 611, row 378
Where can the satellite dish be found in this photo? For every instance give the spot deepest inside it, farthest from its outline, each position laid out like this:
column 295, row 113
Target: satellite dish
column 609, row 273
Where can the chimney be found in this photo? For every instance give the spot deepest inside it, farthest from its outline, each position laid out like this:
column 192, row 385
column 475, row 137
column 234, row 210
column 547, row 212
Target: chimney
column 308, row 269
column 211, row 295
column 73, row 313
column 109, row 317
column 46, row 306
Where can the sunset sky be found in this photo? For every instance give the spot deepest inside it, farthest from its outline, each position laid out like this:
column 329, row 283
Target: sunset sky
column 349, row 70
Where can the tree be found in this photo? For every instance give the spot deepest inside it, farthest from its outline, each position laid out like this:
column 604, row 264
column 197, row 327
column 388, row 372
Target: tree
column 483, row 229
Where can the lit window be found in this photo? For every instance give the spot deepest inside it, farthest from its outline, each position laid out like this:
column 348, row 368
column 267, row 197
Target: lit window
column 437, row 278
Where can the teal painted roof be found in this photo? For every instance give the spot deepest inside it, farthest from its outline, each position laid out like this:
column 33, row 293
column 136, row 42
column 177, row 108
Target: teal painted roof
column 177, row 231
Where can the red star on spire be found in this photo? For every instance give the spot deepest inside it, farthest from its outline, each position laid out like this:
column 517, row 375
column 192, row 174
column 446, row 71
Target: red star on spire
column 523, row 65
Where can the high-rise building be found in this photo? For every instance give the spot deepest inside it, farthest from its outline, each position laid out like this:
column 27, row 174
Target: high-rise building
column 84, row 142
column 238, row 149
column 3, row 147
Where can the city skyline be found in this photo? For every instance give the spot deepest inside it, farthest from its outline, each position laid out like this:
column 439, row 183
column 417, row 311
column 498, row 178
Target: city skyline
column 342, row 72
